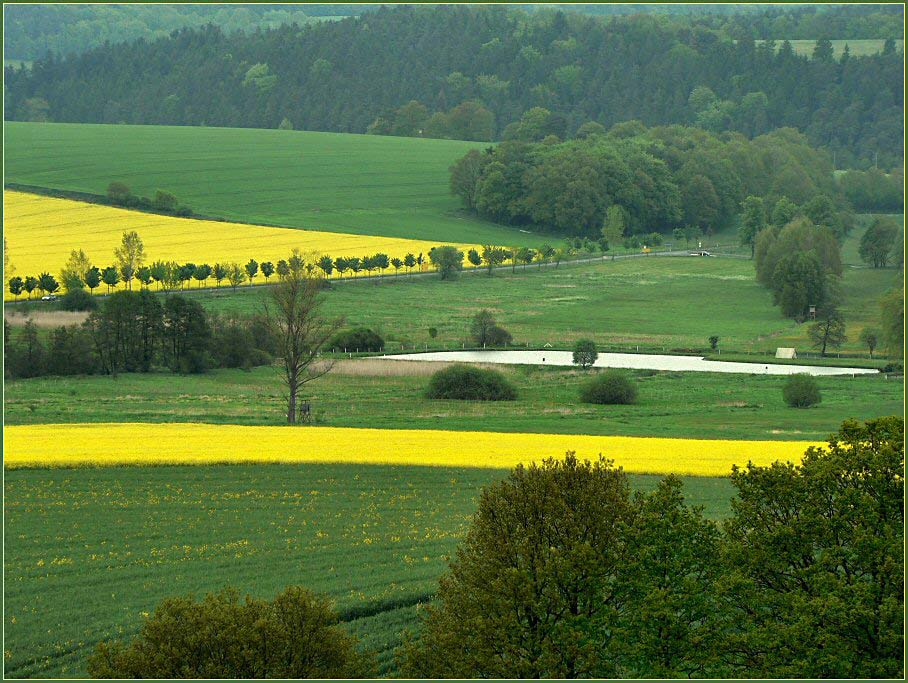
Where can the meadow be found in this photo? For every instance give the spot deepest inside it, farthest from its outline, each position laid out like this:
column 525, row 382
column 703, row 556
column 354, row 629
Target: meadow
column 657, row 303
column 89, row 552
column 858, row 47
column 389, row 395
column 41, row 232
column 359, row 184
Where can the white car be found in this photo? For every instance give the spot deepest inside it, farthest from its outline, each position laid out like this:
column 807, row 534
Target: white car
column 700, row 253
column 49, row 297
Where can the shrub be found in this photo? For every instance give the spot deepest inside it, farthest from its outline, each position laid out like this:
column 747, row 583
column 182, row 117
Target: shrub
column 77, row 300
column 585, row 353
column 357, row 339
column 801, row 391
column 293, row 636
column 118, row 192
column 466, row 383
column 610, row 388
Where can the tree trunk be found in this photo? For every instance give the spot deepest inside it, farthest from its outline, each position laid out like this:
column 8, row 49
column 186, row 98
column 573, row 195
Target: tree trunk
column 291, row 405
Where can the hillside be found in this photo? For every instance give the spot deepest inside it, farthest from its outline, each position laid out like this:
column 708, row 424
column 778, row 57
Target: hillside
column 343, row 75
column 368, row 185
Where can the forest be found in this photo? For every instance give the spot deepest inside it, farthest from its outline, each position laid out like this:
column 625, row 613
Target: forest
column 31, row 31
column 348, row 74
column 633, row 180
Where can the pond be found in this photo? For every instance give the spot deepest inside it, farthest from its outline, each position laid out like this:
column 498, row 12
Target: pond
column 637, row 361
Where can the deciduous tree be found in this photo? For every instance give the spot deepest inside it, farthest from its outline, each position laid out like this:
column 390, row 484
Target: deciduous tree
column 130, row 255
column 294, row 315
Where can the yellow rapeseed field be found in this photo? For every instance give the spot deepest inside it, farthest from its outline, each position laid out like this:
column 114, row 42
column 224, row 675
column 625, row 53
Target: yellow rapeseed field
column 193, row 443
column 41, row 231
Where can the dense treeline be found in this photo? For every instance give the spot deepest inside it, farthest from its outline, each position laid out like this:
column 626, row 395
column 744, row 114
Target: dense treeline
column 873, row 190
column 564, row 573
column 343, row 75
column 139, row 332
column 634, row 180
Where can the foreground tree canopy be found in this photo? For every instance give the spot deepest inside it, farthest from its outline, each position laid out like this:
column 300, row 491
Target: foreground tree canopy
column 564, row 574
column 293, row 636
column 347, row 75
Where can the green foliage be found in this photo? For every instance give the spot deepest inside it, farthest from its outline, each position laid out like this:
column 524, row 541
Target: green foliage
column 612, row 387
column 186, row 335
column 467, row 383
column 827, row 331
column 892, row 307
column 119, row 193
column 873, row 190
column 585, row 353
column 164, row 201
column 78, row 300
column 48, row 283
column 592, row 187
column 484, row 331
column 816, row 560
column 870, row 338
column 448, row 261
column 801, row 391
column 295, row 635
column 357, row 339
column 753, row 220
column 796, row 262
column 671, row 617
column 510, row 604
column 16, row 286
column 878, row 241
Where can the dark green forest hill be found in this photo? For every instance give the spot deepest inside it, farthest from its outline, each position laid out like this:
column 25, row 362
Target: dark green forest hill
column 344, row 75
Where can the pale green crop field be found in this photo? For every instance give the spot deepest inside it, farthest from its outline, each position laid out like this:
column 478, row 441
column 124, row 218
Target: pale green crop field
column 361, row 184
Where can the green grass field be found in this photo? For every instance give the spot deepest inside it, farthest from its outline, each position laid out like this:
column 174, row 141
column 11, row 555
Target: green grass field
column 88, row 551
column 364, row 394
column 857, row 47
column 655, row 302
column 363, row 184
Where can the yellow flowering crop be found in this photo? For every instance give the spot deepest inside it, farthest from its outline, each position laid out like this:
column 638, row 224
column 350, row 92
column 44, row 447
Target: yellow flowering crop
column 41, row 231
column 194, row 443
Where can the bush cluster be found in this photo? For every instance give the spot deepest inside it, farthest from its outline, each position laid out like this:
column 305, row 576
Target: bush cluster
column 612, row 387
column 293, row 636
column 357, row 339
column 801, row 391
column 165, row 202
column 466, row 383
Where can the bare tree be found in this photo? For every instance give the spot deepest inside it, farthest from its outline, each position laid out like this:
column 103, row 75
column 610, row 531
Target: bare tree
column 294, row 314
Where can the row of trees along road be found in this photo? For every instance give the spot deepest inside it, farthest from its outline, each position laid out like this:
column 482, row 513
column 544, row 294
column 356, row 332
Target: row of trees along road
column 79, row 273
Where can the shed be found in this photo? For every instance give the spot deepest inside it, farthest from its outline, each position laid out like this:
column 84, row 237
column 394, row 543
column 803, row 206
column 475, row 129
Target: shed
column 783, row 352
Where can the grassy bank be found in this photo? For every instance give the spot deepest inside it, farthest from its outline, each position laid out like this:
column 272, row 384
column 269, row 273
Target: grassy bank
column 372, row 394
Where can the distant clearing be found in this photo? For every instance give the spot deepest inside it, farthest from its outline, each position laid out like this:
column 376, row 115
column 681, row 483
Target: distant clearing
column 857, row 47
column 361, row 184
